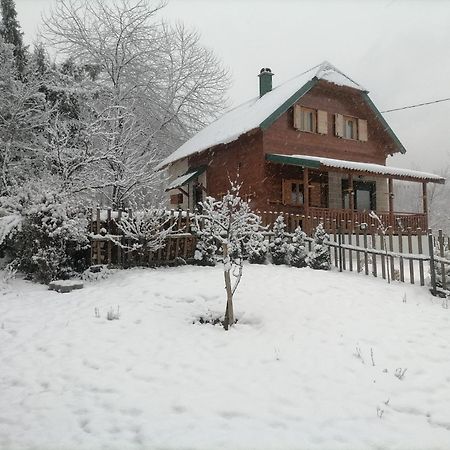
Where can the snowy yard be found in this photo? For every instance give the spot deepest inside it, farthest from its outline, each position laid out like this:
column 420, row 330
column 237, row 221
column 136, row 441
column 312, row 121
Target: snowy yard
column 296, row 371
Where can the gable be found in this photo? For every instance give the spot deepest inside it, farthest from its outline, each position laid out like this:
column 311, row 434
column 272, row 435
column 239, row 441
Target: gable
column 329, row 103
column 262, row 112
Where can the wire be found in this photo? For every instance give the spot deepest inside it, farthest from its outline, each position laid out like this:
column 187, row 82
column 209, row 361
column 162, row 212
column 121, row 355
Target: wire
column 416, row 106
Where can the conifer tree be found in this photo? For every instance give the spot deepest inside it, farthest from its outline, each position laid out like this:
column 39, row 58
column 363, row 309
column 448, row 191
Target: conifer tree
column 11, row 33
column 279, row 245
column 206, row 248
column 297, row 249
column 319, row 257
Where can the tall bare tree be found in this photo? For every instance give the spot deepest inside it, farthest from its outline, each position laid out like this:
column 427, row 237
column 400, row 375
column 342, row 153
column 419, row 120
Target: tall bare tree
column 158, row 84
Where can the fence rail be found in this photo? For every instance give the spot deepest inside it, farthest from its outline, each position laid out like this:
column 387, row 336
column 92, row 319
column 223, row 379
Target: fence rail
column 404, row 255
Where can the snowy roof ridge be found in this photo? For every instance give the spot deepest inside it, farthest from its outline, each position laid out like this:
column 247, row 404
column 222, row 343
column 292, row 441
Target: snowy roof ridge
column 252, row 113
column 328, row 72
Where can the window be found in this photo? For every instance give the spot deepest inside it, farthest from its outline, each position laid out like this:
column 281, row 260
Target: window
column 305, row 119
column 364, row 195
column 350, row 128
column 293, row 192
column 308, row 120
column 296, row 193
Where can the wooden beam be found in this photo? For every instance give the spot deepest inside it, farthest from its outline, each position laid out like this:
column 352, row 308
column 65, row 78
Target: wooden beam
column 391, row 201
column 306, row 190
column 425, row 201
column 351, row 193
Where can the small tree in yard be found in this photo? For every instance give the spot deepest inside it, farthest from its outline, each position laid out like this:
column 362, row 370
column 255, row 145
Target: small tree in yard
column 297, row 250
column 279, row 246
column 232, row 222
column 147, row 230
column 319, row 257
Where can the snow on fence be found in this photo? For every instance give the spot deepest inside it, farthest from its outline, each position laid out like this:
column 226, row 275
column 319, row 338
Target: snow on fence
column 110, row 246
column 405, row 256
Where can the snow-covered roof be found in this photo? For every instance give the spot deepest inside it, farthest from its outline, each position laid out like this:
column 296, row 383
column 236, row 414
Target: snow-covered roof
column 378, row 169
column 251, row 115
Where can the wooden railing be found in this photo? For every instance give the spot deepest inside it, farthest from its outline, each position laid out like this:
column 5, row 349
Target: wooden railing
column 347, row 220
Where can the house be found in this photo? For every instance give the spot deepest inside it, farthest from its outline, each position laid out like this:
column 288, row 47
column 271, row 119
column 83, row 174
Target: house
column 315, row 146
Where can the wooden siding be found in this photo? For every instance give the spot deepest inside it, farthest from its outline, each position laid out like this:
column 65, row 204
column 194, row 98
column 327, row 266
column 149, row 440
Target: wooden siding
column 283, row 138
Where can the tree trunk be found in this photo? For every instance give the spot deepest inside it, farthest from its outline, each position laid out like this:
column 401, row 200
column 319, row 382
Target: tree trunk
column 229, row 314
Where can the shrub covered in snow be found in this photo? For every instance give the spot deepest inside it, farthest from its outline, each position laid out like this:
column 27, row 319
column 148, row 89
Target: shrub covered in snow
column 257, row 248
column 439, row 273
column 49, row 237
column 145, row 231
column 297, row 249
column 279, row 245
column 319, row 257
column 206, row 246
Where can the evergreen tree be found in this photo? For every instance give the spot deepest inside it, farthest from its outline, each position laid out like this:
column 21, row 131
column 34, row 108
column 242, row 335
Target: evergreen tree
column 206, row 248
column 319, row 257
column 279, row 246
column 10, row 31
column 297, row 250
column 257, row 248
column 439, row 273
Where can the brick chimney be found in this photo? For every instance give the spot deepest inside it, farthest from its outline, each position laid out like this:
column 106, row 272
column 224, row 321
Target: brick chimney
column 265, row 81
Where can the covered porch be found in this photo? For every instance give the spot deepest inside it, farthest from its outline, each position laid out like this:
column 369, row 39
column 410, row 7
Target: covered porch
column 343, row 193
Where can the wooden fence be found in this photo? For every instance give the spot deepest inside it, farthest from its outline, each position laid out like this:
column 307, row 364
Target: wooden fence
column 110, row 246
column 405, row 256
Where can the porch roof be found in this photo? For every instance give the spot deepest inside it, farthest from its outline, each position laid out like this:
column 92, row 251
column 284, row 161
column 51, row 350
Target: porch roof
column 186, row 178
column 317, row 162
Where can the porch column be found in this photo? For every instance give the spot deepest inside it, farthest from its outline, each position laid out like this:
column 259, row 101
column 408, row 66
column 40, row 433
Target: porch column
column 351, row 200
column 391, row 201
column 306, row 190
column 425, row 202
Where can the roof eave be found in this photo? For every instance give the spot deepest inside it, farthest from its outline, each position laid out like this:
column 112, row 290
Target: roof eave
column 266, row 123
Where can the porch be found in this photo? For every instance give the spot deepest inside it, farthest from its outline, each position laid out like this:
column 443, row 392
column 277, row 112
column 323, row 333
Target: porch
column 342, row 194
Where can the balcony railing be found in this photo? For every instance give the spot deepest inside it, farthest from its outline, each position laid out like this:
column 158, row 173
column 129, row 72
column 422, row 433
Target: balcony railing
column 347, row 220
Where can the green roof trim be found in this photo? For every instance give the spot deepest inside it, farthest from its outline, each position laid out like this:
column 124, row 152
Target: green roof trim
column 266, row 123
column 383, row 121
column 292, row 161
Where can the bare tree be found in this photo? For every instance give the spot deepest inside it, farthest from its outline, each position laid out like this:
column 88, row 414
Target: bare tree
column 156, row 81
column 231, row 222
column 147, row 230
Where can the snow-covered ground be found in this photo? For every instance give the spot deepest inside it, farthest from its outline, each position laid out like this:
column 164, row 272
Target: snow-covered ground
column 296, row 371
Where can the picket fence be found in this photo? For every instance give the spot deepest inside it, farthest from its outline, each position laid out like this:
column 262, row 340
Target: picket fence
column 405, row 256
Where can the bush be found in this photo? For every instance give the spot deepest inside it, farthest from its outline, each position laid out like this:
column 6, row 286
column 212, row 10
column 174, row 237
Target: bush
column 279, row 246
column 50, row 240
column 297, row 249
column 319, row 257
column 206, row 247
column 257, row 248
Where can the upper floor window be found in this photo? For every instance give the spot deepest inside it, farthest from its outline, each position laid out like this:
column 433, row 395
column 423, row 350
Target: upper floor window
column 310, row 120
column 350, row 127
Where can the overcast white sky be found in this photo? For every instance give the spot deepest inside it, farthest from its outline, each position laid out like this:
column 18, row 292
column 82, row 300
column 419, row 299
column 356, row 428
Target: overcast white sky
column 398, row 50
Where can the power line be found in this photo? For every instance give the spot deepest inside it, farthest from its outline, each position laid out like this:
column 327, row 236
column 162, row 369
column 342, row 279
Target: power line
column 416, row 106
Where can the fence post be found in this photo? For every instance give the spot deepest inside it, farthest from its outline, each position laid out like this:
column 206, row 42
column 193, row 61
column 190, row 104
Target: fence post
column 442, row 255
column 340, row 248
column 432, row 264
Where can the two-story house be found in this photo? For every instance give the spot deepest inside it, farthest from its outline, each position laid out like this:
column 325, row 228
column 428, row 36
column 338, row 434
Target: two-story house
column 314, row 146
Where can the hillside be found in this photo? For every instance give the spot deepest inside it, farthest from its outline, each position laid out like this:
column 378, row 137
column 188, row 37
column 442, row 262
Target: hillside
column 311, row 363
